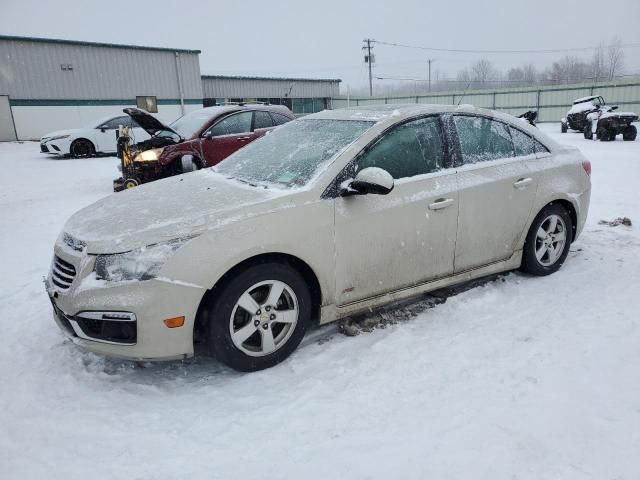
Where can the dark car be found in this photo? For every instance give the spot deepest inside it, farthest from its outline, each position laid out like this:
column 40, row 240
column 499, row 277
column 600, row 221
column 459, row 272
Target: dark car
column 199, row 139
column 592, row 115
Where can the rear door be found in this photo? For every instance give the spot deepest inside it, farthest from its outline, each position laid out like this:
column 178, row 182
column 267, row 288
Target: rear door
column 497, row 190
column 226, row 136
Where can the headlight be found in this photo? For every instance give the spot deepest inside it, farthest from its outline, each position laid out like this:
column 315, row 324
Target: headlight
column 59, row 137
column 149, row 155
column 139, row 264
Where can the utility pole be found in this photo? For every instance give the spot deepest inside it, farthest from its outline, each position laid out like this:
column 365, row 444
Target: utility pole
column 429, row 61
column 368, row 58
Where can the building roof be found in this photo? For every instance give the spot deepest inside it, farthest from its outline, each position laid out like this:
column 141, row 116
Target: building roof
column 285, row 79
column 94, row 44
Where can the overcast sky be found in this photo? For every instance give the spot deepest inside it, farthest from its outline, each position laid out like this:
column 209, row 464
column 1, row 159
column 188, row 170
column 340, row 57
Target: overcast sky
column 323, row 38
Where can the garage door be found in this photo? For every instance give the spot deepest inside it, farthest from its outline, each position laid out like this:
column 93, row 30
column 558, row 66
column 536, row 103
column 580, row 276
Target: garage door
column 7, row 130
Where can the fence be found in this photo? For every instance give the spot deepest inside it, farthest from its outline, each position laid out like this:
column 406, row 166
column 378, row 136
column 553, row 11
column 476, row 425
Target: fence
column 551, row 102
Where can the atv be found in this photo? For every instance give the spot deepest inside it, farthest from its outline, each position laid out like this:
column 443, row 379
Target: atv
column 591, row 115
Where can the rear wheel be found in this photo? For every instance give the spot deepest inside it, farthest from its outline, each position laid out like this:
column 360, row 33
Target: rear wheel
column 259, row 317
column 629, row 133
column 548, row 241
column 82, row 148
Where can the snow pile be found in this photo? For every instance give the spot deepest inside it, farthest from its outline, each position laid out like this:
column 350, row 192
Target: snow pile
column 527, row 378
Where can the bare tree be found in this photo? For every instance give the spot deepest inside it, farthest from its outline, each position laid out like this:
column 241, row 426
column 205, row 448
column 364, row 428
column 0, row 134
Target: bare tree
column 615, row 58
column 599, row 69
column 529, row 73
column 515, row 75
column 483, row 71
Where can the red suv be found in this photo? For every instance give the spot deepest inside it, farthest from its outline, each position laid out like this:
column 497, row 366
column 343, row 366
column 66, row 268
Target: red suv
column 199, row 139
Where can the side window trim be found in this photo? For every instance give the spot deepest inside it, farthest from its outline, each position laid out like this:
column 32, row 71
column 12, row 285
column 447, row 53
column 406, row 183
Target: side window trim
column 533, row 141
column 459, row 160
column 229, row 116
column 331, row 191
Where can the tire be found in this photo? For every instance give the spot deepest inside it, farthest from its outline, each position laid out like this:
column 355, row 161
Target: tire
column 588, row 133
column 130, row 182
column 602, row 135
column 563, row 127
column 82, row 148
column 629, row 133
column 544, row 255
column 259, row 340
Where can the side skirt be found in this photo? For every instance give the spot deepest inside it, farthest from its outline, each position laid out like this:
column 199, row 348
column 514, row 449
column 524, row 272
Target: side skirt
column 330, row 313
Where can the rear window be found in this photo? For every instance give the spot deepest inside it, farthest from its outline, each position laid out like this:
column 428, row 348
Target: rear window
column 482, row 139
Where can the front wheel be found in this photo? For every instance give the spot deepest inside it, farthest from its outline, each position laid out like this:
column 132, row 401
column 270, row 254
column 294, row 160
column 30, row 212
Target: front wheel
column 259, row 317
column 629, row 133
column 82, row 148
column 548, row 241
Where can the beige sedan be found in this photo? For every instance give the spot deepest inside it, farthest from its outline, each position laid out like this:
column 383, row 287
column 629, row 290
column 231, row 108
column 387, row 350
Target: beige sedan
column 329, row 215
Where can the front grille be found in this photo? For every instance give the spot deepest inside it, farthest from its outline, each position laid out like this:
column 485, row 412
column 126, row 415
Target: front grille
column 62, row 273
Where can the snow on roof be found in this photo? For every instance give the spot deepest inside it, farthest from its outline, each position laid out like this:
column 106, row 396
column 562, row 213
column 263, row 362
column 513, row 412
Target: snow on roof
column 584, row 99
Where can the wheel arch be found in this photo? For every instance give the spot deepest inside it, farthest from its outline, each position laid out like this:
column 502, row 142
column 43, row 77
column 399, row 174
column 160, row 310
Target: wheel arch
column 302, row 267
column 75, row 140
column 568, row 205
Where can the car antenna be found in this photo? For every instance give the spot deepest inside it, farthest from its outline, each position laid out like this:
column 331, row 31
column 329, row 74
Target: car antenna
column 464, row 93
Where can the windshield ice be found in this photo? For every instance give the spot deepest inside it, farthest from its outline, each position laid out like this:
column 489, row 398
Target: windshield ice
column 189, row 124
column 291, row 154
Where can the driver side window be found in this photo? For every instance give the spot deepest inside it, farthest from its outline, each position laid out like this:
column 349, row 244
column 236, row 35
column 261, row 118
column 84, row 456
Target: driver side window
column 413, row 148
column 233, row 124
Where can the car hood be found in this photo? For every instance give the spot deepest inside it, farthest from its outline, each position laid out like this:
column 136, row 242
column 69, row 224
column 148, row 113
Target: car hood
column 147, row 122
column 71, row 131
column 167, row 209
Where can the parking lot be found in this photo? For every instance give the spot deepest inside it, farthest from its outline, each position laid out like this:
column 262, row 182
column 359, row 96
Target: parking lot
column 528, row 378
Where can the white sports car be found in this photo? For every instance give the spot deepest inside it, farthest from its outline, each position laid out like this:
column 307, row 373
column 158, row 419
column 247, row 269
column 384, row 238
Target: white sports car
column 99, row 137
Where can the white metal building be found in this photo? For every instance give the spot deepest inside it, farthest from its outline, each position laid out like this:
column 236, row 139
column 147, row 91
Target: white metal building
column 48, row 84
column 301, row 95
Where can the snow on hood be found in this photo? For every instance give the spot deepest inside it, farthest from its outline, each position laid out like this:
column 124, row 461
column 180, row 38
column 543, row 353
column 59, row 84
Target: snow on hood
column 71, row 131
column 164, row 210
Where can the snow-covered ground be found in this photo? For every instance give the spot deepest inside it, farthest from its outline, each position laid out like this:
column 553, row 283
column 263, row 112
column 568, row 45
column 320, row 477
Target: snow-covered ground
column 530, row 378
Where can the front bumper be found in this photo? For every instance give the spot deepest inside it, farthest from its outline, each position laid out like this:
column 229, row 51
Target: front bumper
column 133, row 326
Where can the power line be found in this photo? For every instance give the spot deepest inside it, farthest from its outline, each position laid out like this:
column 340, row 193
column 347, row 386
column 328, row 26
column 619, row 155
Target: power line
column 453, row 50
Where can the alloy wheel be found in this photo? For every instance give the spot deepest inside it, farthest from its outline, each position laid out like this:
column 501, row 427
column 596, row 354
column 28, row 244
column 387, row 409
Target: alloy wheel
column 263, row 318
column 550, row 240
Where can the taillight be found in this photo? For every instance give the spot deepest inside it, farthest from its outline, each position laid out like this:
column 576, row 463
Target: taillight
column 586, row 164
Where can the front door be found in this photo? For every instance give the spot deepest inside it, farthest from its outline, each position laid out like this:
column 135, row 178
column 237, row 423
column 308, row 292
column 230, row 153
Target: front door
column 226, row 136
column 387, row 242
column 497, row 191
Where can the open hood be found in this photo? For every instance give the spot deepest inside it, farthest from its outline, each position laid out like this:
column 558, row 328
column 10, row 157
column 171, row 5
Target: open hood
column 148, row 123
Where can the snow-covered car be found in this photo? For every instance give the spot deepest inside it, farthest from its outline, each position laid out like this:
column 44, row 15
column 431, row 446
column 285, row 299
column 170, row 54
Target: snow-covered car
column 591, row 115
column 99, row 137
column 330, row 215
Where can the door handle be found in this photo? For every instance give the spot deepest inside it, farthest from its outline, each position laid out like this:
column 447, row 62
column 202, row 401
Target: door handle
column 523, row 182
column 244, row 139
column 441, row 203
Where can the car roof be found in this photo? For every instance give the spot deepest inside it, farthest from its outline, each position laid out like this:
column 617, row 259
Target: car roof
column 220, row 109
column 390, row 112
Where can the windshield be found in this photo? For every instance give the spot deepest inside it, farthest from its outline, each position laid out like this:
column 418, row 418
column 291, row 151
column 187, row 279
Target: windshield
column 291, row 154
column 189, row 124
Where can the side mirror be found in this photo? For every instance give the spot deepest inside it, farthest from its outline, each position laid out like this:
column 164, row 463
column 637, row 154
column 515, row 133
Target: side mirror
column 372, row 180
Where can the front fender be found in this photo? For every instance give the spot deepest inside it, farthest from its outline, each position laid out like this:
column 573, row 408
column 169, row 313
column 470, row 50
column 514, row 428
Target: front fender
column 304, row 232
